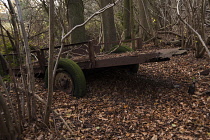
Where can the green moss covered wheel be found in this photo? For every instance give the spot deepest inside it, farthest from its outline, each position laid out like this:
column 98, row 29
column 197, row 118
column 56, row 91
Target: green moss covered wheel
column 122, row 49
column 69, row 78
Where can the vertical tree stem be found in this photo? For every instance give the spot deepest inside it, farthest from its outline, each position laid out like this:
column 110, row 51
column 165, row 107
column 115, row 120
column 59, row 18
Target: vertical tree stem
column 50, row 64
column 29, row 66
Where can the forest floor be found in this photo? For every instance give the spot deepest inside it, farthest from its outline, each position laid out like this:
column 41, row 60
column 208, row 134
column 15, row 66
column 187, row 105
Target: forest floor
column 153, row 104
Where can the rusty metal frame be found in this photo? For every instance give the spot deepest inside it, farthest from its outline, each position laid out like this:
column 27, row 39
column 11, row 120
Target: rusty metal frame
column 92, row 62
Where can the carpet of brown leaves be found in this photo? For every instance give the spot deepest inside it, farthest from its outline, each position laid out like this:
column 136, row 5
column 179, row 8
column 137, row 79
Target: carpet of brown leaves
column 154, row 104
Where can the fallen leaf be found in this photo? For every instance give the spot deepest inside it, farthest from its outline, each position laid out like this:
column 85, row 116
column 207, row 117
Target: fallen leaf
column 174, row 125
column 97, row 127
column 154, row 137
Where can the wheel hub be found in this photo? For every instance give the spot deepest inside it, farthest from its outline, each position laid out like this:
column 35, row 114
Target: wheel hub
column 64, row 82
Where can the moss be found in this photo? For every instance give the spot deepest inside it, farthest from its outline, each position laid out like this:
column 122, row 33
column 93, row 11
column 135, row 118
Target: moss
column 75, row 72
column 121, row 49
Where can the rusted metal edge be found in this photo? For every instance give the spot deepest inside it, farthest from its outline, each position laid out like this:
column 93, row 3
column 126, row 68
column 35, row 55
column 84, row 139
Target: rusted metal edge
column 86, row 42
column 126, row 60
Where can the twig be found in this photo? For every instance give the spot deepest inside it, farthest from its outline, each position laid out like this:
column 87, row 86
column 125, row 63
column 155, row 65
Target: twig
column 31, row 37
column 169, row 32
column 199, row 36
column 44, row 102
column 147, row 41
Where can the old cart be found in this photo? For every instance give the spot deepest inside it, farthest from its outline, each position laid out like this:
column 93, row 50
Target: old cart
column 86, row 55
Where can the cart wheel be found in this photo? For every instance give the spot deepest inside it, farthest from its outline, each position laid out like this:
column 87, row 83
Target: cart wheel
column 131, row 68
column 69, row 78
column 63, row 81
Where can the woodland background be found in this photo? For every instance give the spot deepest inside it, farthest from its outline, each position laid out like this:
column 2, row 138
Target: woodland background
column 152, row 104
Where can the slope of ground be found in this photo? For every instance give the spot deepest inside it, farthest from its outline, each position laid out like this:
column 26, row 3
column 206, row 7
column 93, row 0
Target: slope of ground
column 154, row 104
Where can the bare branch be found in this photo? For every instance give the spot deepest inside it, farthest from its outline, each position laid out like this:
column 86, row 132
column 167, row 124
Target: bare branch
column 199, row 36
column 96, row 13
column 80, row 25
column 45, row 103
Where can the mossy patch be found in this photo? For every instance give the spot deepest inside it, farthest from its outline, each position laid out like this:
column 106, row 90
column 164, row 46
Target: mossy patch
column 75, row 72
column 121, row 49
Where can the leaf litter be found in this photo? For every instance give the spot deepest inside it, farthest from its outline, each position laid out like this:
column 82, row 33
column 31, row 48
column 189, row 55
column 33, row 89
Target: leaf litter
column 152, row 104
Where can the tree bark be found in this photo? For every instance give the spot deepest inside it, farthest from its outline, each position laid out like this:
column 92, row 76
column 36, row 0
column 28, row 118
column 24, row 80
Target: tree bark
column 127, row 19
column 132, row 24
column 3, row 39
column 192, row 29
column 4, row 131
column 29, row 66
column 14, row 24
column 144, row 20
column 209, row 3
column 9, row 37
column 50, row 64
column 6, row 116
column 18, row 57
column 75, row 16
column 109, row 30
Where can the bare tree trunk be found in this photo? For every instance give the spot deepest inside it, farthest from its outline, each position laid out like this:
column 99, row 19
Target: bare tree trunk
column 29, row 66
column 144, row 20
column 109, row 30
column 75, row 15
column 4, row 131
column 199, row 47
column 50, row 64
column 6, row 116
column 126, row 19
column 17, row 49
column 199, row 37
column 132, row 24
column 209, row 2
column 193, row 16
column 3, row 39
column 14, row 24
column 10, row 37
